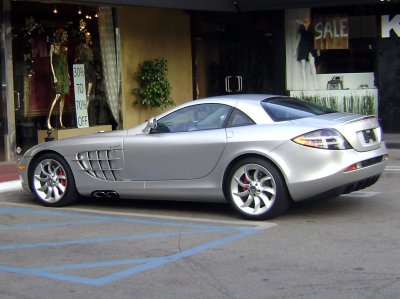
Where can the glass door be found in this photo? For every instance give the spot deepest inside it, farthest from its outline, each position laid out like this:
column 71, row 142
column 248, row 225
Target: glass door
column 236, row 53
column 2, row 122
column 3, row 91
column 33, row 26
column 2, row 116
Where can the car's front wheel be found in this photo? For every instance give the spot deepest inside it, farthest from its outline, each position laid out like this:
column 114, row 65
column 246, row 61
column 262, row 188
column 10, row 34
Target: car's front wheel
column 52, row 181
column 256, row 189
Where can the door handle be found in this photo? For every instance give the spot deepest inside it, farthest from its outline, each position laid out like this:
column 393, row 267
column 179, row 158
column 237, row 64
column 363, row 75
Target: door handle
column 227, row 85
column 229, row 134
column 240, row 83
column 18, row 102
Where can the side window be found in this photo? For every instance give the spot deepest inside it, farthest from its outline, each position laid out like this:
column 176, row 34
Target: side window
column 239, row 119
column 194, row 118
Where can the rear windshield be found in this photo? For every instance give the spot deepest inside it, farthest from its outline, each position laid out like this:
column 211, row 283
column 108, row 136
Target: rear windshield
column 284, row 108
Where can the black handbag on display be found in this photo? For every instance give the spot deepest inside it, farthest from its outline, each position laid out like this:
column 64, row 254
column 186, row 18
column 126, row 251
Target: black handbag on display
column 335, row 83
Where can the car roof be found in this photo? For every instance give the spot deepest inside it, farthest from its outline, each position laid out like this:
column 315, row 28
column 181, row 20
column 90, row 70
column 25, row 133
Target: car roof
column 239, row 97
column 232, row 100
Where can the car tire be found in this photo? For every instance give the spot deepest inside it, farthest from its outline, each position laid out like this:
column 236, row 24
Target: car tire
column 256, row 189
column 52, row 181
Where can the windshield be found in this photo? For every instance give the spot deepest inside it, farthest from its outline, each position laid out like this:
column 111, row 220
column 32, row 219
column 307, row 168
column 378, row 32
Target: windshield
column 284, row 108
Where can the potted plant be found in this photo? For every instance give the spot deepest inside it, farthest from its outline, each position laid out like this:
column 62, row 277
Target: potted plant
column 154, row 90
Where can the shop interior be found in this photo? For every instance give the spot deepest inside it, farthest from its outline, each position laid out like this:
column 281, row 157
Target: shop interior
column 34, row 29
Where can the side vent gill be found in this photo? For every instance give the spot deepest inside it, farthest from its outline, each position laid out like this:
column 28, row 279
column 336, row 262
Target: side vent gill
column 103, row 165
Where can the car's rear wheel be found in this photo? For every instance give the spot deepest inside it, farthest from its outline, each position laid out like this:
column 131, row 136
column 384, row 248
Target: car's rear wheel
column 52, row 181
column 256, row 189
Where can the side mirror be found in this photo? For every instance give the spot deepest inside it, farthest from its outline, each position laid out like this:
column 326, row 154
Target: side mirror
column 151, row 125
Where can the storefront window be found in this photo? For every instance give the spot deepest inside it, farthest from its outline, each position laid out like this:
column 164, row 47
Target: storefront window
column 329, row 41
column 331, row 58
column 48, row 40
column 346, row 43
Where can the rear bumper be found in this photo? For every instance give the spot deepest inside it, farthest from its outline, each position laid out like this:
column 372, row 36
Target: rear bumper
column 313, row 172
column 348, row 188
column 338, row 183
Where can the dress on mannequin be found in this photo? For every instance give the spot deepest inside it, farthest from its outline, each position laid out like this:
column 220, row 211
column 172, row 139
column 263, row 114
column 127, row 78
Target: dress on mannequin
column 59, row 69
column 305, row 51
column 84, row 55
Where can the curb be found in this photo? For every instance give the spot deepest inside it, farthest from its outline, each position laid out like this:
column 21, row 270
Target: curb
column 10, row 186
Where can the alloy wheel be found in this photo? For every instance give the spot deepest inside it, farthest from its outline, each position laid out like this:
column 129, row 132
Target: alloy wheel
column 253, row 189
column 49, row 180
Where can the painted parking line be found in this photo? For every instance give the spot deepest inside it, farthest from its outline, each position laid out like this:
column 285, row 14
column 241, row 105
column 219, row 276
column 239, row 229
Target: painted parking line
column 362, row 194
column 132, row 266
column 135, row 266
column 254, row 223
column 392, row 168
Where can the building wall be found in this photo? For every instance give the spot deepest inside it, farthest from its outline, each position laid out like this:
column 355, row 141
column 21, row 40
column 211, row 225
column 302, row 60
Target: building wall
column 152, row 33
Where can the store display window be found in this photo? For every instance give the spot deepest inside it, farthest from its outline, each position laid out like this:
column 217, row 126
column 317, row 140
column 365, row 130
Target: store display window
column 331, row 57
column 329, row 41
column 48, row 40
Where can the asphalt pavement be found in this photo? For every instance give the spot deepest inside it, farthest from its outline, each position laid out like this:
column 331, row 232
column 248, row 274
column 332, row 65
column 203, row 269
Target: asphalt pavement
column 344, row 247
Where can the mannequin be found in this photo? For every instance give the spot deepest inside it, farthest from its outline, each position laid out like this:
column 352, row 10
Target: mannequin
column 84, row 55
column 306, row 52
column 59, row 69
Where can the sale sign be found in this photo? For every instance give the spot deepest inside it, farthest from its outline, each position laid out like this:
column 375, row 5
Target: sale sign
column 331, row 32
column 81, row 108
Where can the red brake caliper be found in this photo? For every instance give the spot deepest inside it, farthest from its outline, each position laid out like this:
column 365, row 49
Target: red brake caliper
column 62, row 173
column 244, row 180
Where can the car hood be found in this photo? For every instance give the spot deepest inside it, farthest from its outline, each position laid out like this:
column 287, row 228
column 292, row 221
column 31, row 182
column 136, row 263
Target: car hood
column 362, row 132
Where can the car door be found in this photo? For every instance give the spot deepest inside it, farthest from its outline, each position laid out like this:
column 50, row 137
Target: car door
column 186, row 145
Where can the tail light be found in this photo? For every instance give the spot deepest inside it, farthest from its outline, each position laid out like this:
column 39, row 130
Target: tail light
column 329, row 139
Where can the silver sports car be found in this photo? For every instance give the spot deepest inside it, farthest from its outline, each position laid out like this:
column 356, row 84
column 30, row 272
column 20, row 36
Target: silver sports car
column 258, row 152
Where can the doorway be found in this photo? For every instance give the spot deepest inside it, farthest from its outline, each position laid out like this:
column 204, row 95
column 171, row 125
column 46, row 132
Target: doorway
column 238, row 53
column 3, row 120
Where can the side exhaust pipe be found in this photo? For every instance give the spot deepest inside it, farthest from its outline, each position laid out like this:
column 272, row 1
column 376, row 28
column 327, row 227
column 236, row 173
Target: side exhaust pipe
column 112, row 195
column 105, row 194
column 99, row 194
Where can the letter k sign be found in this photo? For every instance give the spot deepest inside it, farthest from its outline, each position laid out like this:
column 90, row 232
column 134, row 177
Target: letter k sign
column 388, row 25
